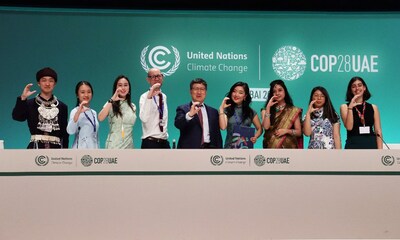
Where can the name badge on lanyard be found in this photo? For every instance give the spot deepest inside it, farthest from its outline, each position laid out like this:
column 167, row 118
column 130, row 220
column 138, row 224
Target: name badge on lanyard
column 364, row 130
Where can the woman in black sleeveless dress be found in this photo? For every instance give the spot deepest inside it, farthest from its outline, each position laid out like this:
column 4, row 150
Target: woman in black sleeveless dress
column 361, row 118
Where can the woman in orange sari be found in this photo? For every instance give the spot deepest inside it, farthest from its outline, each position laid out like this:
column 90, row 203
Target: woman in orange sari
column 280, row 119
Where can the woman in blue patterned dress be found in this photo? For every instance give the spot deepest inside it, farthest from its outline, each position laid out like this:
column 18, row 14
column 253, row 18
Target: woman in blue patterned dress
column 321, row 122
column 235, row 111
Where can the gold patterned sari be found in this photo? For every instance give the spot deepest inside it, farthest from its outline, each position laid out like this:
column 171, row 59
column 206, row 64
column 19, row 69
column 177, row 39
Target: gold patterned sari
column 285, row 120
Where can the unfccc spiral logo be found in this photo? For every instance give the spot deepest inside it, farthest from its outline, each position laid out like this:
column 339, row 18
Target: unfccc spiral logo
column 42, row 160
column 160, row 57
column 387, row 160
column 216, row 160
column 289, row 62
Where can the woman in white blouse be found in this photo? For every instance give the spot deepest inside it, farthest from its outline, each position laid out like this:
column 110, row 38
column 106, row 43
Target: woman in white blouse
column 83, row 122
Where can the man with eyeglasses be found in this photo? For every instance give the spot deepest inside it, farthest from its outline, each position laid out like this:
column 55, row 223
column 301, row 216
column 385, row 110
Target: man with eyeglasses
column 154, row 113
column 198, row 123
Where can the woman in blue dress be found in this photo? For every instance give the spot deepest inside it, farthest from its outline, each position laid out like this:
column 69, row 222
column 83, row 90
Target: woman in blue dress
column 83, row 121
column 235, row 111
column 321, row 122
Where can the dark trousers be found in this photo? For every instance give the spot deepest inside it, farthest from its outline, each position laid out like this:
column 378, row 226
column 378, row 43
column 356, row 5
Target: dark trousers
column 151, row 142
column 207, row 145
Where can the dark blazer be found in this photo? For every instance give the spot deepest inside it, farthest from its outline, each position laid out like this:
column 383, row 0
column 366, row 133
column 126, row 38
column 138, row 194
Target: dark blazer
column 191, row 132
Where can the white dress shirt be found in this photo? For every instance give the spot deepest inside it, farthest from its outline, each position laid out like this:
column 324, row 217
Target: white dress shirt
column 149, row 115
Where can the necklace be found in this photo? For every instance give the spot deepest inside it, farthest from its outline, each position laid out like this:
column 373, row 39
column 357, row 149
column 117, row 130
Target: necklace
column 48, row 114
column 53, row 103
column 47, row 109
column 280, row 108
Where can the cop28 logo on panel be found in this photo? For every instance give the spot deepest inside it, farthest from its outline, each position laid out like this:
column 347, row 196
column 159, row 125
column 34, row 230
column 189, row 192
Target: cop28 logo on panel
column 161, row 57
column 289, row 62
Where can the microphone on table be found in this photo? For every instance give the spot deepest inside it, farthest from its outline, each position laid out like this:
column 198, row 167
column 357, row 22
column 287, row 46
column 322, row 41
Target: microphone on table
column 173, row 144
column 377, row 134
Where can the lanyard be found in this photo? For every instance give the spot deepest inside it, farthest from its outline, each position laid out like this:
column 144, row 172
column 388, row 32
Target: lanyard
column 159, row 107
column 93, row 123
column 361, row 115
column 122, row 127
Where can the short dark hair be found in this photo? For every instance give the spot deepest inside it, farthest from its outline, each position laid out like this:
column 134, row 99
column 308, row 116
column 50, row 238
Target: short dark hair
column 350, row 95
column 198, row 81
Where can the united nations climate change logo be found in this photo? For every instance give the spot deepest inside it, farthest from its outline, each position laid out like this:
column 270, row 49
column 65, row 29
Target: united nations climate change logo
column 86, row 160
column 42, row 160
column 216, row 160
column 289, row 62
column 259, row 160
column 160, row 57
column 388, row 160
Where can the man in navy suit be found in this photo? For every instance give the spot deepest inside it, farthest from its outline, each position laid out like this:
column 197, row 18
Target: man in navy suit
column 198, row 123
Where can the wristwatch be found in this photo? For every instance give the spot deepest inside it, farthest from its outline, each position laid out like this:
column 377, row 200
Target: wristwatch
column 110, row 100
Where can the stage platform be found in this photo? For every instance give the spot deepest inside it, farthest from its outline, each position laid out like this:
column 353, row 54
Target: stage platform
column 199, row 194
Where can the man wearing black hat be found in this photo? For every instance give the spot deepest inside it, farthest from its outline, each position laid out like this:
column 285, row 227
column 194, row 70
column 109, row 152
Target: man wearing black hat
column 46, row 115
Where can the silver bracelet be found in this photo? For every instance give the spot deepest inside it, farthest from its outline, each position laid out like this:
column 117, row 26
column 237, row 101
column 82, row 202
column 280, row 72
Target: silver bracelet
column 267, row 115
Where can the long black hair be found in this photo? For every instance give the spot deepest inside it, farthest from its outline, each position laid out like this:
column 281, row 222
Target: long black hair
column 115, row 104
column 288, row 99
column 329, row 110
column 246, row 109
column 78, row 85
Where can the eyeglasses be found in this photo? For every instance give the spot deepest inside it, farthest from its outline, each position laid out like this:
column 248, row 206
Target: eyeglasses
column 199, row 89
column 155, row 76
column 318, row 96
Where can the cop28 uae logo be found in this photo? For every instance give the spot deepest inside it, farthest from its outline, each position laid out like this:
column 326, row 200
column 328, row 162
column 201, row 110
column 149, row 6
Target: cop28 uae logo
column 160, row 57
column 86, row 160
column 259, row 160
column 289, row 63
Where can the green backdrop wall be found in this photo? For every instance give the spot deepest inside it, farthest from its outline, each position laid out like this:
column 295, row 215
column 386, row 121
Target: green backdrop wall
column 304, row 49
